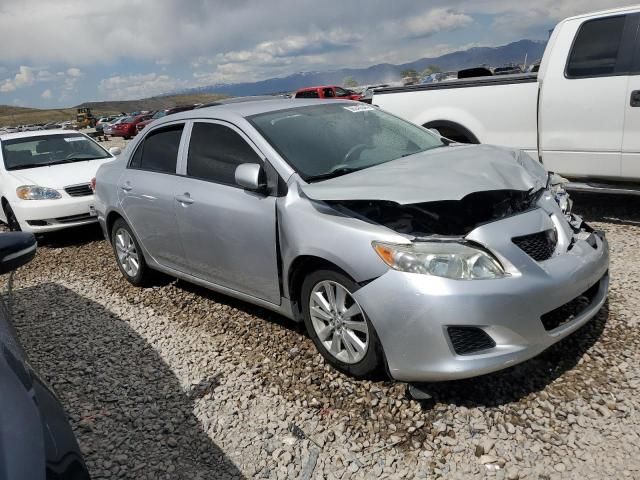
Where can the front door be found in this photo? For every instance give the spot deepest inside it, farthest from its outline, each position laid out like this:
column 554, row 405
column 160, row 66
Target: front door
column 631, row 140
column 229, row 234
column 147, row 195
column 583, row 97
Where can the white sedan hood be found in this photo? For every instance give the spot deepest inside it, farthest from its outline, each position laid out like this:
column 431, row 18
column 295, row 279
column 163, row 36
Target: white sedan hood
column 446, row 173
column 59, row 176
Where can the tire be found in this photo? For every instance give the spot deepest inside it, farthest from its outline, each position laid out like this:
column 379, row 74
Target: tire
column 12, row 220
column 127, row 252
column 362, row 363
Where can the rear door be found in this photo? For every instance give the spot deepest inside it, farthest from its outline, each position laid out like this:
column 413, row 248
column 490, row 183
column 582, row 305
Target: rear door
column 583, row 96
column 229, row 234
column 630, row 163
column 146, row 192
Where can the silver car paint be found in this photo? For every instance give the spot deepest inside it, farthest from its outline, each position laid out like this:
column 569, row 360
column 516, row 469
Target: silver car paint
column 408, row 311
column 475, row 168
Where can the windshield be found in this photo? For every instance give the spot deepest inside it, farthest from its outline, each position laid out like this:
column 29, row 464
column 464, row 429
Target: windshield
column 328, row 140
column 44, row 150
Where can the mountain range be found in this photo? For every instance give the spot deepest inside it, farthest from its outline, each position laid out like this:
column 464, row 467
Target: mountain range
column 385, row 72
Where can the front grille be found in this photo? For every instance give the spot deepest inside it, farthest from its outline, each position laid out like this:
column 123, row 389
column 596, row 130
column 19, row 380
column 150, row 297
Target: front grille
column 570, row 310
column 468, row 340
column 79, row 190
column 539, row 246
column 74, row 218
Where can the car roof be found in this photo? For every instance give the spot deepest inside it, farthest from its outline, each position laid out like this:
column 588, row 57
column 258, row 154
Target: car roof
column 247, row 109
column 34, row 133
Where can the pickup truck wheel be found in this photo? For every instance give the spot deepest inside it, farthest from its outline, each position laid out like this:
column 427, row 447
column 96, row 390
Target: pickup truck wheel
column 338, row 325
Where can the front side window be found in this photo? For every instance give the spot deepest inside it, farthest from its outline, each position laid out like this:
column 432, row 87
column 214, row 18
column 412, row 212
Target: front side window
column 215, row 151
column 328, row 140
column 341, row 92
column 159, row 150
column 596, row 47
column 46, row 150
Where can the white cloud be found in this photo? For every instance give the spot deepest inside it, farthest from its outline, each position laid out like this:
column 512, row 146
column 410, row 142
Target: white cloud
column 431, row 22
column 127, row 87
column 74, row 72
column 24, row 78
column 47, row 94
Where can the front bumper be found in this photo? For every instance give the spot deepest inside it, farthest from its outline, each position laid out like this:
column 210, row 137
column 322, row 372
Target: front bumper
column 41, row 216
column 412, row 313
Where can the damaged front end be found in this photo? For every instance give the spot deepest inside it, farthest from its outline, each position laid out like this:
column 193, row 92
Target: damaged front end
column 441, row 218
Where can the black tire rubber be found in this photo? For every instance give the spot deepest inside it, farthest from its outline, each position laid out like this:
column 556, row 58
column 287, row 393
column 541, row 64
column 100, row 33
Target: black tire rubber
column 12, row 220
column 144, row 275
column 373, row 361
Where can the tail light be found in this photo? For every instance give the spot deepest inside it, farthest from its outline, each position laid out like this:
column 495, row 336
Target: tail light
column 92, row 184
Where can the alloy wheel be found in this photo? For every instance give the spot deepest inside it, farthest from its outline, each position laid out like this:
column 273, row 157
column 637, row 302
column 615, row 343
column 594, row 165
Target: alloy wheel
column 339, row 322
column 127, row 252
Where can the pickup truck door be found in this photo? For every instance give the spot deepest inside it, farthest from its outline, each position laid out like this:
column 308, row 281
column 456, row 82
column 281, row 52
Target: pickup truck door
column 584, row 94
column 630, row 163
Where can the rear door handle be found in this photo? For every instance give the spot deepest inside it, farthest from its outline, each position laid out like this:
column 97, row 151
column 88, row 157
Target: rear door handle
column 184, row 199
column 635, row 98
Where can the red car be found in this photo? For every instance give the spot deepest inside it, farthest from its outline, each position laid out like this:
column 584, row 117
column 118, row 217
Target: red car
column 327, row 91
column 127, row 128
column 163, row 113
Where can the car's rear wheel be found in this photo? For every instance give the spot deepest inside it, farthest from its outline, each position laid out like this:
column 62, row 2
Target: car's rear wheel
column 12, row 220
column 129, row 254
column 338, row 325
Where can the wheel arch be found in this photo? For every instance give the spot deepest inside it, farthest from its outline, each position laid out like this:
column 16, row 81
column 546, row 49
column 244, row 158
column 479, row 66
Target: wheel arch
column 460, row 132
column 299, row 268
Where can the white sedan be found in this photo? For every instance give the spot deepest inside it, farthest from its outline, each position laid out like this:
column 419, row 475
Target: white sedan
column 45, row 179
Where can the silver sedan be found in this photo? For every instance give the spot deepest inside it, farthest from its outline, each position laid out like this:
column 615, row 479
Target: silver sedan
column 397, row 248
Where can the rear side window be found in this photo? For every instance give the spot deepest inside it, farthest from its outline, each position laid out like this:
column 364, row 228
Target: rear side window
column 595, row 49
column 159, row 150
column 308, row 94
column 215, row 151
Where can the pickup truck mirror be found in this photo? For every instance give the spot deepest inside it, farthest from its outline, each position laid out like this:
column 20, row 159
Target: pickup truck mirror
column 16, row 249
column 251, row 176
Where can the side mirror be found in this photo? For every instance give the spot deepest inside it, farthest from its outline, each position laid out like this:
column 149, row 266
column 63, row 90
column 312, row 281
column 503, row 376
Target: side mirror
column 251, row 176
column 432, row 130
column 16, row 249
column 115, row 151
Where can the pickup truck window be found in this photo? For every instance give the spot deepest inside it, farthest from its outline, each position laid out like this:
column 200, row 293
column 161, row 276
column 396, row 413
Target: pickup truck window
column 340, row 92
column 307, row 94
column 596, row 47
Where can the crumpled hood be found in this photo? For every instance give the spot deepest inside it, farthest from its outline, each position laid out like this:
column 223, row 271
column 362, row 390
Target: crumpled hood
column 59, row 176
column 447, row 173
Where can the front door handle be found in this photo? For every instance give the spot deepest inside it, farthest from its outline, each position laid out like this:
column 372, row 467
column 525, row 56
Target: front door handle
column 126, row 187
column 184, row 199
column 635, row 98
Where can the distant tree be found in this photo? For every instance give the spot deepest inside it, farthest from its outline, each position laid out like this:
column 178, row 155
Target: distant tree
column 350, row 82
column 431, row 69
column 410, row 75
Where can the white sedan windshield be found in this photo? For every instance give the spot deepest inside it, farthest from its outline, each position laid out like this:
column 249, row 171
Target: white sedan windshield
column 44, row 150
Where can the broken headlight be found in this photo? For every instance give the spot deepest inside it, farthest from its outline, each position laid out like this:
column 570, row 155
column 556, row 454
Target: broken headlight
column 556, row 187
column 441, row 259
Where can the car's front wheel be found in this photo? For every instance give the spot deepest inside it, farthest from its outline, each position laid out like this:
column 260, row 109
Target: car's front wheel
column 338, row 325
column 128, row 254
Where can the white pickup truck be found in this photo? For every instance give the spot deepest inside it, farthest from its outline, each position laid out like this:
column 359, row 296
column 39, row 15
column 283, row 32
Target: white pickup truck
column 580, row 115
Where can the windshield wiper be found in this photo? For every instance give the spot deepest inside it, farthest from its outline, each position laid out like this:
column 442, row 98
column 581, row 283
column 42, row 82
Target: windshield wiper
column 334, row 173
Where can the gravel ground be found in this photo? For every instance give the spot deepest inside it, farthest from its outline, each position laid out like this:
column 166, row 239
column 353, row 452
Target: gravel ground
column 175, row 381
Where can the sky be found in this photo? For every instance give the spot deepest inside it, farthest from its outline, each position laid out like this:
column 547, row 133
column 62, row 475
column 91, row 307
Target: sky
column 63, row 52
